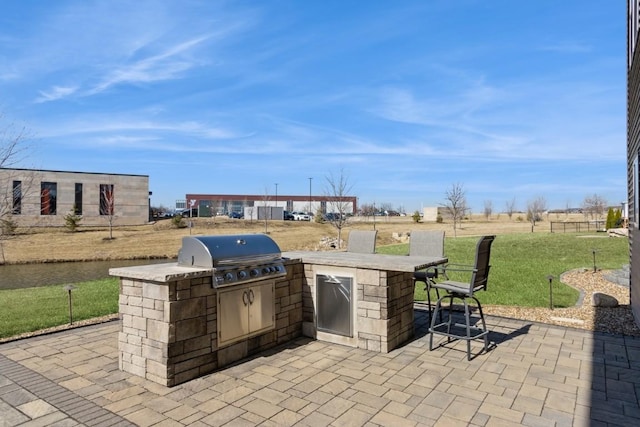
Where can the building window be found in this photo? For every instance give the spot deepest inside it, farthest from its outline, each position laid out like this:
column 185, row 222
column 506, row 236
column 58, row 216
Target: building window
column 106, row 199
column 48, row 198
column 77, row 203
column 17, row 197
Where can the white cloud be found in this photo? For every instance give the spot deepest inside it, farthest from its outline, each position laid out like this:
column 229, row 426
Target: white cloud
column 166, row 65
column 55, row 93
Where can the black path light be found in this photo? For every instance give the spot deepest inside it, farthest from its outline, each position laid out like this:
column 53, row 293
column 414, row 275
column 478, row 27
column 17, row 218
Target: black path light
column 550, row 279
column 70, row 288
column 594, row 250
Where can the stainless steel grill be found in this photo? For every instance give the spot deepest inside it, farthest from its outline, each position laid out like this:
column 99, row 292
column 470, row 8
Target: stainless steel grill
column 235, row 259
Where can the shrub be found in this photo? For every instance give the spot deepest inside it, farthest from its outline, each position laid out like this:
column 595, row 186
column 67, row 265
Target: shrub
column 416, row 216
column 178, row 222
column 8, row 226
column 611, row 221
column 72, row 221
column 618, row 218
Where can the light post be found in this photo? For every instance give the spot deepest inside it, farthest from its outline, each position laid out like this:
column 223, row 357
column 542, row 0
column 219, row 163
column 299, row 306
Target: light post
column 276, row 196
column 310, row 194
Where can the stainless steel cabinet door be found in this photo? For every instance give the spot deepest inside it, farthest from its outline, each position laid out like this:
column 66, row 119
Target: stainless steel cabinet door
column 233, row 321
column 261, row 307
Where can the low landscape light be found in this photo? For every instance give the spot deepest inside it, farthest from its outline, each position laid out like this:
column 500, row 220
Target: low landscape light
column 70, row 288
column 550, row 279
column 594, row 250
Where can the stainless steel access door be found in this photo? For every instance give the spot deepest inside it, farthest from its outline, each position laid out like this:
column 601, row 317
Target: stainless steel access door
column 334, row 304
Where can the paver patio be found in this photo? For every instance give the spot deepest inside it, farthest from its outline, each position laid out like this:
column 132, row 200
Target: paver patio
column 537, row 375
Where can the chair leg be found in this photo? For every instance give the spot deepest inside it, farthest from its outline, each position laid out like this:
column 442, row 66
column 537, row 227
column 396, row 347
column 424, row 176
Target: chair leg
column 444, row 328
column 437, row 310
column 428, row 289
column 450, row 318
column 467, row 321
column 484, row 325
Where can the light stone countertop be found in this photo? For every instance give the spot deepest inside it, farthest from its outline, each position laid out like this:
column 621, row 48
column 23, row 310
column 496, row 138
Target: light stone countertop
column 171, row 271
column 366, row 261
column 166, row 272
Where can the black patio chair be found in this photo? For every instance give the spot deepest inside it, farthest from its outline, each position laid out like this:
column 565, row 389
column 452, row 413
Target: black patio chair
column 464, row 291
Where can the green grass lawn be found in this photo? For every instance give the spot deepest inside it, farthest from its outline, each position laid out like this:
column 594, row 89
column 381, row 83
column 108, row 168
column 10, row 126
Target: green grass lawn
column 520, row 264
column 32, row 309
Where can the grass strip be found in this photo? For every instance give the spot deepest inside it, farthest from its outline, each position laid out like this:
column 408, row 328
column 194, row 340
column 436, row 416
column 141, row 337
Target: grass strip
column 520, row 264
column 31, row 309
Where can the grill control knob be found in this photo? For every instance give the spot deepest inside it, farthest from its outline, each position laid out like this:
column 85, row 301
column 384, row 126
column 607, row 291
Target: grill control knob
column 265, row 270
column 255, row 272
column 242, row 274
column 228, row 277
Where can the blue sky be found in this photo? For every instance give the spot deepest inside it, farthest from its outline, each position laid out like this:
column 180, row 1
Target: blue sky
column 509, row 99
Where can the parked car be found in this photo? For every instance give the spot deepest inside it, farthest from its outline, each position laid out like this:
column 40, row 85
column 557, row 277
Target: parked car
column 185, row 213
column 331, row 216
column 301, row 216
column 236, row 215
column 288, row 216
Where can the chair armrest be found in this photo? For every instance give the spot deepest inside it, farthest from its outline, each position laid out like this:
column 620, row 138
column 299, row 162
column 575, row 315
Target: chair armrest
column 457, row 268
column 437, row 270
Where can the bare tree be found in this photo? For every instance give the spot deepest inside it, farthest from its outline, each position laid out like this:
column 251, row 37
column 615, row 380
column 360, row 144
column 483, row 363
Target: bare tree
column 385, row 207
column 595, row 206
column 13, row 149
column 456, row 204
column 488, row 209
column 535, row 208
column 510, row 207
column 337, row 188
column 367, row 209
column 108, row 205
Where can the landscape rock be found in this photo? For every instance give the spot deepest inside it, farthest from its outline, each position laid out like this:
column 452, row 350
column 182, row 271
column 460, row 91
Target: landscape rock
column 400, row 237
column 603, row 300
column 329, row 243
column 618, row 232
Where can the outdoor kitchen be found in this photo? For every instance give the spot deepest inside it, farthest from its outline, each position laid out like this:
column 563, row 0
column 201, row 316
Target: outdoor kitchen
column 230, row 297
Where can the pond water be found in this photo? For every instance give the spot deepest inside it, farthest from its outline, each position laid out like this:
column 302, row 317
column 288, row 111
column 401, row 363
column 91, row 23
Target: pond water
column 30, row 275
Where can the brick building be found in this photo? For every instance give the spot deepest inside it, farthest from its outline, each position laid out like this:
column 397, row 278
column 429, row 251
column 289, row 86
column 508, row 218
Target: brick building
column 221, row 204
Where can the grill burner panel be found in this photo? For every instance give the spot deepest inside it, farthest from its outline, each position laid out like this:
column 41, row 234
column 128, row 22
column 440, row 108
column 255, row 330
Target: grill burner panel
column 235, row 259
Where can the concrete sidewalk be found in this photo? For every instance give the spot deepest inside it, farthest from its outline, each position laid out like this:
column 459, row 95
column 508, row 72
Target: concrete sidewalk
column 537, row 375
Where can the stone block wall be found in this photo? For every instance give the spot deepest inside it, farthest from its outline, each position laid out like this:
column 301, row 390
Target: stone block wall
column 383, row 301
column 169, row 329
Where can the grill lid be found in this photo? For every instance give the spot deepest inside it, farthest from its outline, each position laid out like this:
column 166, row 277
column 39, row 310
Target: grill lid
column 227, row 250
